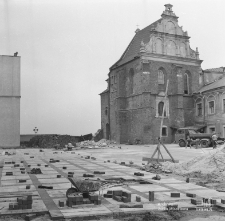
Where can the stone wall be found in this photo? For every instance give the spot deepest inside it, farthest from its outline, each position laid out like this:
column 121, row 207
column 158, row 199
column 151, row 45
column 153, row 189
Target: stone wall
column 133, row 101
column 9, row 101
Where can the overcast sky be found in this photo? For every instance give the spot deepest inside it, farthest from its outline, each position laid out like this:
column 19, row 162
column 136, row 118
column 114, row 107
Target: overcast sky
column 67, row 47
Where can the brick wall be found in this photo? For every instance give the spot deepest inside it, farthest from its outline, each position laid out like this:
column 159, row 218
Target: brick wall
column 133, row 101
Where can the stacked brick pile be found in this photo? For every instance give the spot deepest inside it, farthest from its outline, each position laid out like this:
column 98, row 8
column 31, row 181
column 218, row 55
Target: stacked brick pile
column 119, row 195
column 22, row 203
column 75, row 199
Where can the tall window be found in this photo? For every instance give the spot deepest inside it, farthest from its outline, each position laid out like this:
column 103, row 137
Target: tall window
column 160, row 77
column 199, row 109
column 160, row 109
column 145, row 68
column 223, row 105
column 186, row 83
column 211, row 109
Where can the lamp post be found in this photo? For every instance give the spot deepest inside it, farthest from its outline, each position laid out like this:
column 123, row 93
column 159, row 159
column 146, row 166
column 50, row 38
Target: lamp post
column 35, row 130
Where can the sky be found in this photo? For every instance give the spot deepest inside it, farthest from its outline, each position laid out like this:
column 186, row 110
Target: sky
column 68, row 46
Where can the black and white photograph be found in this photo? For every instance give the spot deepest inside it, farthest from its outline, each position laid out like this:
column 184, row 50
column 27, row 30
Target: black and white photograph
column 112, row 110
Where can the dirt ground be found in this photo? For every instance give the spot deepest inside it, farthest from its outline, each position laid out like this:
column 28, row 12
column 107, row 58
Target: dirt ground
column 151, row 216
column 209, row 182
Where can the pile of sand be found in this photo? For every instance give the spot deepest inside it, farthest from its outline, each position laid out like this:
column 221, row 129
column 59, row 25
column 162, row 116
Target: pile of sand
column 209, row 163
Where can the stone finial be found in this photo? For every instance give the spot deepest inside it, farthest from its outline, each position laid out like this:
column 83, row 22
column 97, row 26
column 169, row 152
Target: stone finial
column 197, row 53
column 168, row 12
column 137, row 30
column 168, row 7
column 142, row 47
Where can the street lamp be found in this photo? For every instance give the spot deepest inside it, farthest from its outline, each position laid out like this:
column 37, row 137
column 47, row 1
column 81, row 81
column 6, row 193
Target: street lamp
column 35, row 130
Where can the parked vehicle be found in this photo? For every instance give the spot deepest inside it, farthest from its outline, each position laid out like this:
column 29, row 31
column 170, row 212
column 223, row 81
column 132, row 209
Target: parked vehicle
column 182, row 134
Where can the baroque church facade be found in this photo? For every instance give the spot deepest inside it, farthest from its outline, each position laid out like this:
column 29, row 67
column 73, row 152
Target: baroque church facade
column 132, row 105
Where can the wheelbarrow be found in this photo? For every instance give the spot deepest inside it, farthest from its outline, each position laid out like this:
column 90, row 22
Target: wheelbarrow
column 83, row 186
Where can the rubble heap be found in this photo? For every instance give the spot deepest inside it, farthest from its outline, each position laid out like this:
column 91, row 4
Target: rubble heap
column 208, row 164
column 93, row 144
column 49, row 141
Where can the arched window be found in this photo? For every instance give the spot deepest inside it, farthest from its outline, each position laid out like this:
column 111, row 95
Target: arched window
column 171, row 48
column 106, row 110
column 186, row 83
column 182, row 50
column 170, row 27
column 160, row 109
column 158, row 46
column 160, row 77
column 199, row 111
column 211, row 104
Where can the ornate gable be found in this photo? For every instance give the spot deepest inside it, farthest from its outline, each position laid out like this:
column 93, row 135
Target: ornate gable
column 168, row 38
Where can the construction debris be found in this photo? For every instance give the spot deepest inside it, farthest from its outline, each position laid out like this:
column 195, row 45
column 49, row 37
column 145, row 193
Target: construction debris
column 36, row 171
column 92, row 144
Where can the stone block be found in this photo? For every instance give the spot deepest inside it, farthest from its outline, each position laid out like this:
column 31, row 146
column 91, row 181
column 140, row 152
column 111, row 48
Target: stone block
column 151, row 195
column 126, row 194
column 93, row 197
column 125, row 199
column 196, row 201
column 138, row 198
column 61, row 203
column 69, row 203
column 223, row 201
column 29, row 197
column 108, row 195
column 15, row 206
column 98, row 202
column 117, row 192
column 191, row 195
column 213, row 202
column 175, row 194
column 10, row 206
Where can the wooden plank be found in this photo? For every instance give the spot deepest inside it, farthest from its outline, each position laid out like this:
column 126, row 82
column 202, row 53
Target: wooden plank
column 160, row 160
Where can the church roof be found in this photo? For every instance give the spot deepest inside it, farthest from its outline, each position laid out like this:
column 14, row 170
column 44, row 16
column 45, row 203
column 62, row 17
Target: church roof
column 105, row 91
column 134, row 47
column 220, row 69
column 216, row 84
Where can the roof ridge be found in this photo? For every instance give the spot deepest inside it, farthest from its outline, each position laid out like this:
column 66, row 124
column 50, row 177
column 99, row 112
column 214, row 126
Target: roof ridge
column 133, row 40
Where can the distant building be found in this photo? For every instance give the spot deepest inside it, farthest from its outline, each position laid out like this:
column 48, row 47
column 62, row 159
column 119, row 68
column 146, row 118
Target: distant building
column 9, row 101
column 210, row 101
column 132, row 105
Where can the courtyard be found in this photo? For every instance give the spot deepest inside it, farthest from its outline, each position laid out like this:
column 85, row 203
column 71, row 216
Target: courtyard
column 88, row 161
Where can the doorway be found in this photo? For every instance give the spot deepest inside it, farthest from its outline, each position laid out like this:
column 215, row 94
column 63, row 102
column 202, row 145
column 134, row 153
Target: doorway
column 107, row 131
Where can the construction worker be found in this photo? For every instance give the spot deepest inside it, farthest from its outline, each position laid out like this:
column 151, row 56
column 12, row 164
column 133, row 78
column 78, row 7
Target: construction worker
column 214, row 139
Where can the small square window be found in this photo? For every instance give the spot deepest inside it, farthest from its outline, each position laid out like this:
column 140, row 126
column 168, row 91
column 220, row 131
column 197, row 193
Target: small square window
column 164, row 131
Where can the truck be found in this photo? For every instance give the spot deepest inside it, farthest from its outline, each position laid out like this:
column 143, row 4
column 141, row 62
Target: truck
column 181, row 135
